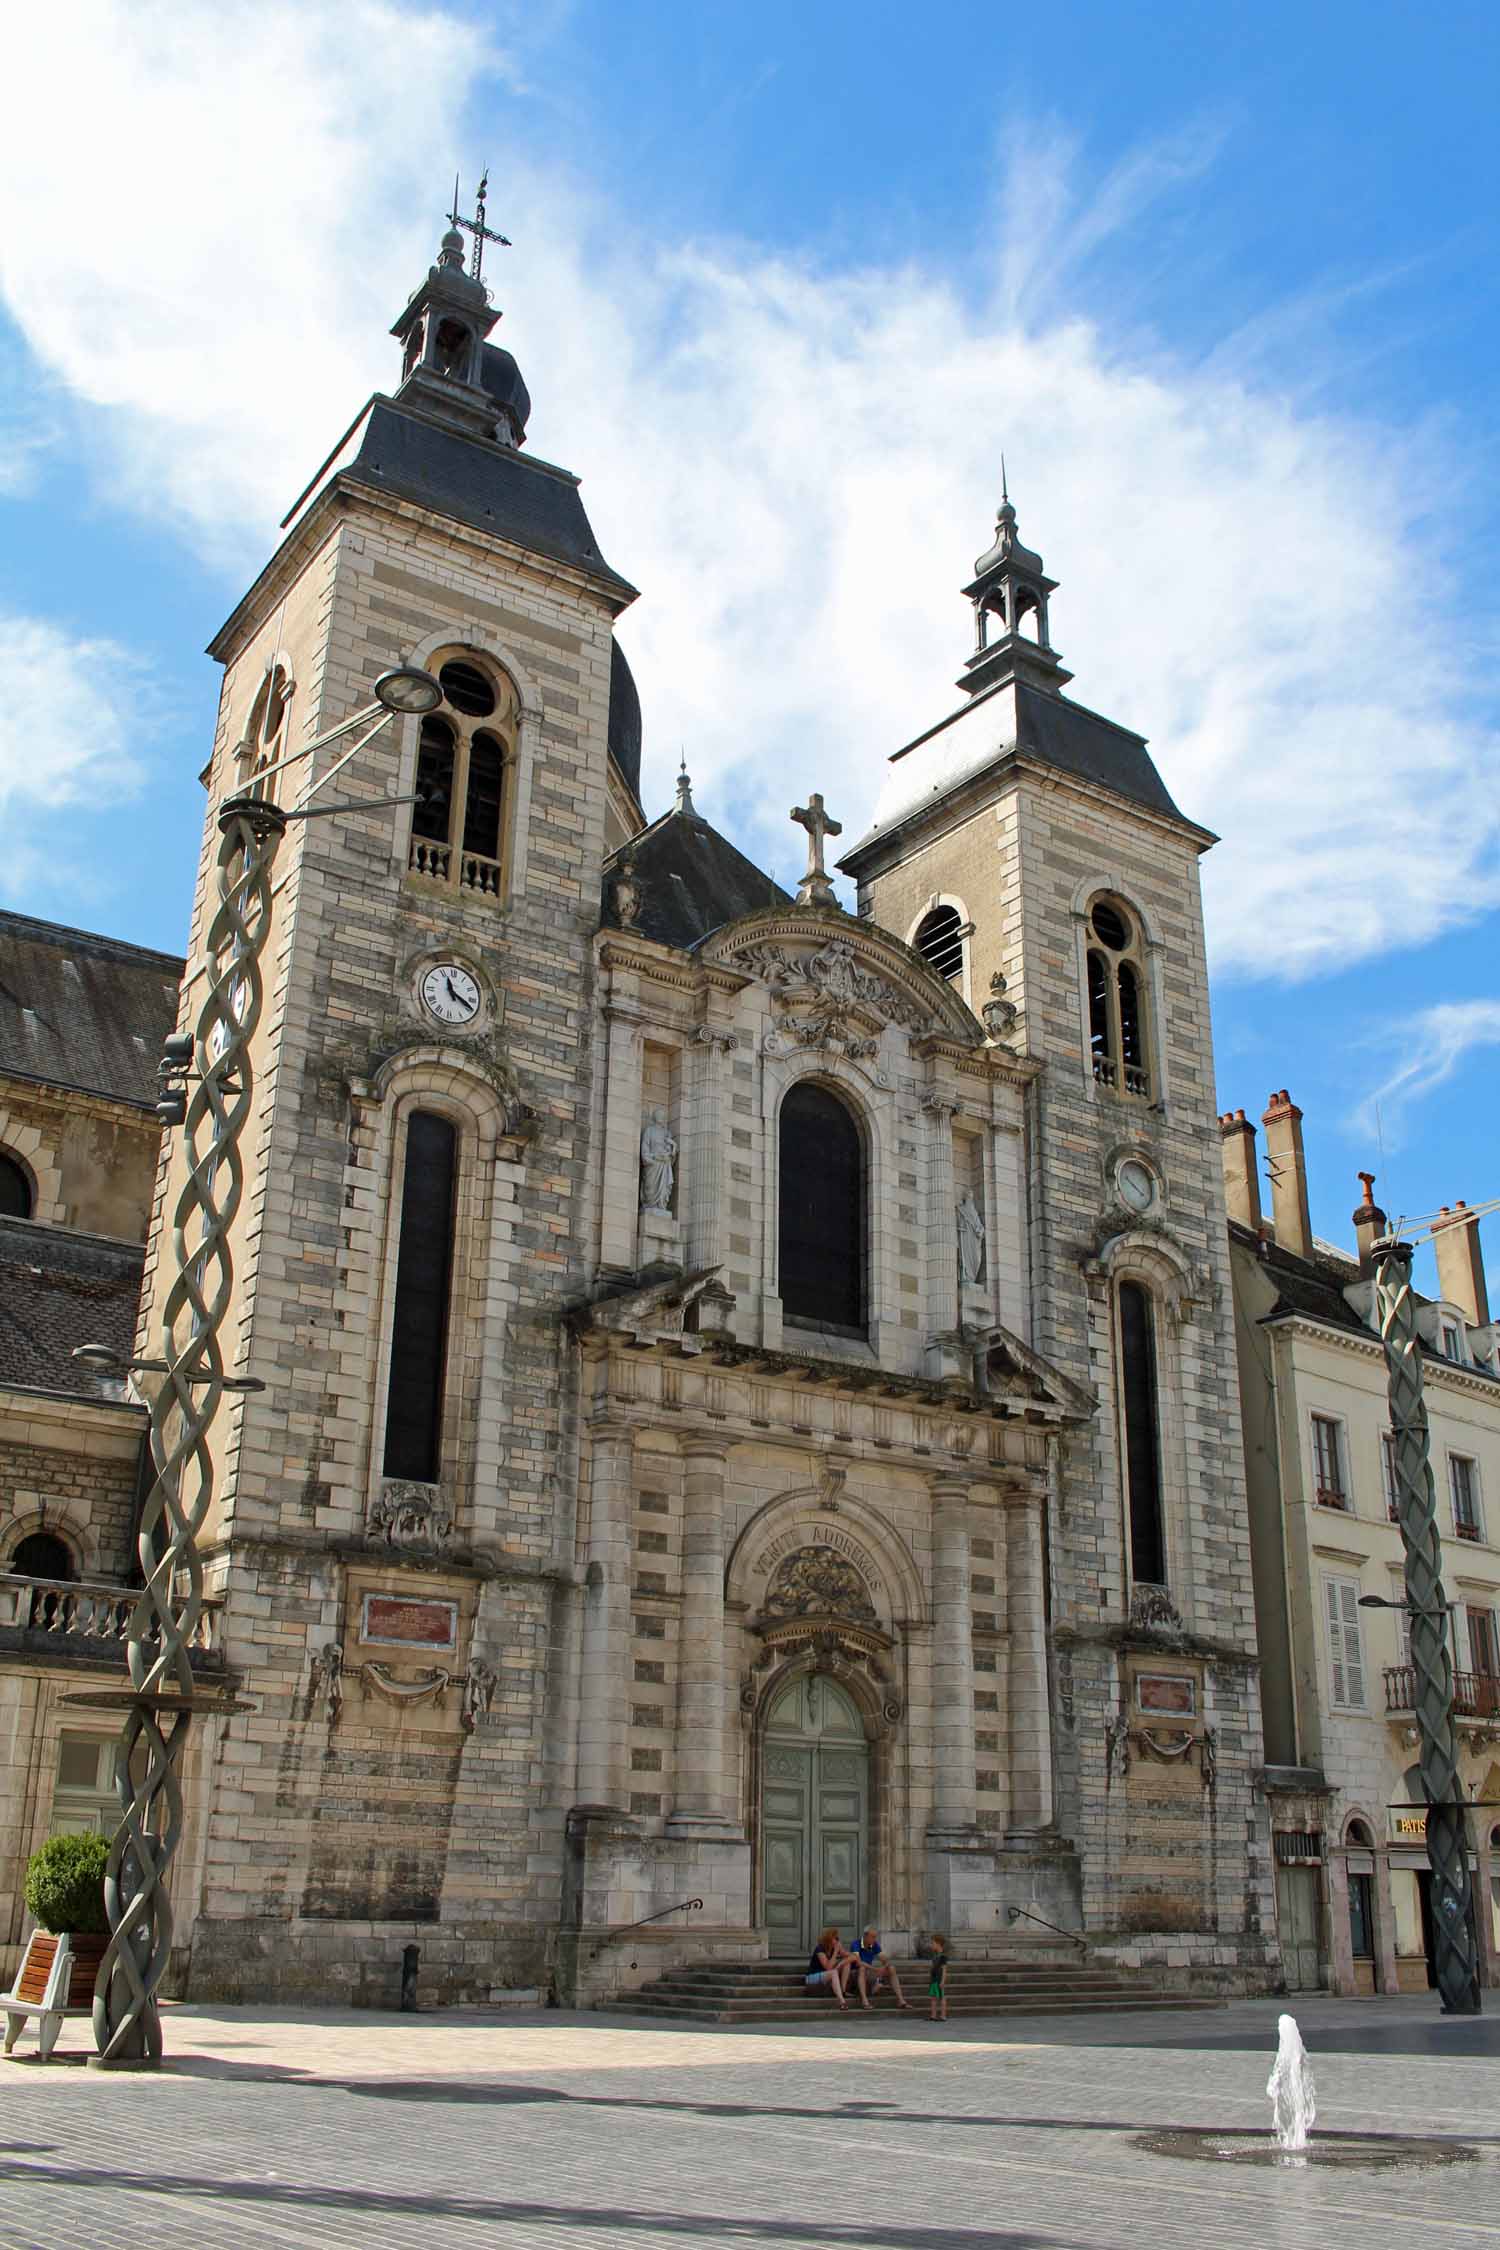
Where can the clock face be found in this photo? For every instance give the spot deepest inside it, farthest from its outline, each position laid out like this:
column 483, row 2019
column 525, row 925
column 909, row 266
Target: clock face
column 450, row 993
column 1136, row 1184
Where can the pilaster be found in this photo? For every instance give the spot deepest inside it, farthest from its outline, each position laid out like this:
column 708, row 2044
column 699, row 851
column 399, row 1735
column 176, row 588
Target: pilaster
column 952, row 1661
column 702, row 1798
column 1029, row 1703
column 604, row 1713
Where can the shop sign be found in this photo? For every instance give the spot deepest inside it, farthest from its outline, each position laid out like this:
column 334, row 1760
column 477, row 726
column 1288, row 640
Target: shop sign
column 1409, row 1828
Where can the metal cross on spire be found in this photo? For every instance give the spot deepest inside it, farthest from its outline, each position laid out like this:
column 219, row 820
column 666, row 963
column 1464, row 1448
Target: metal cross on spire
column 476, row 226
column 816, row 886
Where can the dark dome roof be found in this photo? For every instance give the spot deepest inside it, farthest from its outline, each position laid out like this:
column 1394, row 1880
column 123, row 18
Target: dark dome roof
column 624, row 718
column 501, row 377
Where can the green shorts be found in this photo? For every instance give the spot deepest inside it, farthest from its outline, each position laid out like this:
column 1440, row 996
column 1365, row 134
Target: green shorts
column 935, row 1989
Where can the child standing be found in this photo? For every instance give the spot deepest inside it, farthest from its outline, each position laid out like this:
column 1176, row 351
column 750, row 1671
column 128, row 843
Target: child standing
column 937, row 1980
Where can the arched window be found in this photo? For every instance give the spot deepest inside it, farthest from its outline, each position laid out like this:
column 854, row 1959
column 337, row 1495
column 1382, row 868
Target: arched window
column 16, row 1200
column 264, row 744
column 940, row 941
column 1119, row 1042
column 41, row 1554
column 822, row 1233
column 1140, row 1414
column 458, row 828
column 453, row 349
column 1357, row 1832
column 419, row 1327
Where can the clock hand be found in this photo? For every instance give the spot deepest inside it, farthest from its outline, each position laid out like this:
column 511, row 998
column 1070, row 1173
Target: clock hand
column 455, row 997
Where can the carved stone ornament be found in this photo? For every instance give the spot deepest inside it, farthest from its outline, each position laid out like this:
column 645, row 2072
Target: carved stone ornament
column 328, row 1678
column 1152, row 1610
column 831, row 1650
column 410, row 1515
column 812, row 1581
column 378, row 1679
column 998, row 1014
column 831, row 974
column 1116, row 1747
column 479, row 1693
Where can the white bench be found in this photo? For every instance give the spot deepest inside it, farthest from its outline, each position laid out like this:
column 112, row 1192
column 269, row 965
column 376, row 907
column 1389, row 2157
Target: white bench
column 55, row 1968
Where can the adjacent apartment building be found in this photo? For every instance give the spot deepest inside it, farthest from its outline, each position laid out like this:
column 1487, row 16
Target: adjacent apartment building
column 1336, row 1681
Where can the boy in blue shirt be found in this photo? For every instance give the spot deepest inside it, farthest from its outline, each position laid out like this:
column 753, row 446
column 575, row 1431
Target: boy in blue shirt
column 875, row 1970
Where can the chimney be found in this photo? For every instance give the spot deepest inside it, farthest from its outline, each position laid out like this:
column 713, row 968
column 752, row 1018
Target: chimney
column 1241, row 1180
column 1370, row 1223
column 1455, row 1238
column 1288, row 1170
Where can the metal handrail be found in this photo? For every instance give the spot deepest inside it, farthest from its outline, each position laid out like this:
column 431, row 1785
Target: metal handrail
column 690, row 1904
column 1019, row 1913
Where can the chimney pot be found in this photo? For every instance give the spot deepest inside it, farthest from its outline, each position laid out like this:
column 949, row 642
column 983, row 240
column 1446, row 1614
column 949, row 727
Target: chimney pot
column 1241, row 1179
column 1460, row 1263
column 1288, row 1169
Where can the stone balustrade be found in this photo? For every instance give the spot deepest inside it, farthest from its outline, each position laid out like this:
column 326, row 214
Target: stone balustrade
column 70, row 1610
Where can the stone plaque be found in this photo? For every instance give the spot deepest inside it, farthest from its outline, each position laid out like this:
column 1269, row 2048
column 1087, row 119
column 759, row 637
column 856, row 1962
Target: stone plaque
column 404, row 1622
column 1173, row 1694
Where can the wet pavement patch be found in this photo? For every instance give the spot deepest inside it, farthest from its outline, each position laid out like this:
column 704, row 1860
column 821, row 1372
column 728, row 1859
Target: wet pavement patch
column 1348, row 2152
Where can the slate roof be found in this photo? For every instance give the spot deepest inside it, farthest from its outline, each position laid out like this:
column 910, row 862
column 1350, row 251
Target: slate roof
column 624, row 718
column 1015, row 716
column 1313, row 1287
column 84, row 1011
column 692, row 881
column 489, row 486
column 59, row 1288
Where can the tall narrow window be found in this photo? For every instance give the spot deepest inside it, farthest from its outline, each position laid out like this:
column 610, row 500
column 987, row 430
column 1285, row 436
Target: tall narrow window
column 1463, row 1485
column 419, row 1329
column 1141, row 1412
column 1330, row 1486
column 1119, row 1034
column 459, row 823
column 822, row 1232
column 1389, row 1477
column 940, row 941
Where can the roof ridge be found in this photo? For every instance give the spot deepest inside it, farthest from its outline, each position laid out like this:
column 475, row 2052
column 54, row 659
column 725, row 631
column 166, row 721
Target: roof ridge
column 63, row 933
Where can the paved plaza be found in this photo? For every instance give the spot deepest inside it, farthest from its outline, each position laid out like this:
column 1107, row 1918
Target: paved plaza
column 286, row 2128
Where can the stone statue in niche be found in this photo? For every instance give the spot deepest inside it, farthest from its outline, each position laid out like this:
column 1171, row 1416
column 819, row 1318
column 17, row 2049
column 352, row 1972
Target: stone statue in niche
column 658, row 1167
column 970, row 1240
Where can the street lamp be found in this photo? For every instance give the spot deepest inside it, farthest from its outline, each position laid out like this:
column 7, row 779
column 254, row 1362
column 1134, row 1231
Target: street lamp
column 1428, row 1607
column 160, row 1702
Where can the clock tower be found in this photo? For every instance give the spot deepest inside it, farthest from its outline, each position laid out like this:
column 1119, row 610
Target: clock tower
column 390, row 1521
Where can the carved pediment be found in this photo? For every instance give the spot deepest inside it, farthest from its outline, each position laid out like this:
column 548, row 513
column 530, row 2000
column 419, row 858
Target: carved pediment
column 665, row 1306
column 1005, row 1368
column 839, row 982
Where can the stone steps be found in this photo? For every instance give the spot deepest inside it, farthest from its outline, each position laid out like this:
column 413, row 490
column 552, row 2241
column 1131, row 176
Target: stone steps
column 774, row 1992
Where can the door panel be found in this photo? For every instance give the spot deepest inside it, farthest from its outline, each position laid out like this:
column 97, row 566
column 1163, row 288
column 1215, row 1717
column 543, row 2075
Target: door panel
column 1297, row 1926
column 814, row 1815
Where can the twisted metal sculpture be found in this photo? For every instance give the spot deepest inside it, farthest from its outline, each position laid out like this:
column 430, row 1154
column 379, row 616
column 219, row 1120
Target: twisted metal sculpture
column 1427, row 1609
column 160, row 1698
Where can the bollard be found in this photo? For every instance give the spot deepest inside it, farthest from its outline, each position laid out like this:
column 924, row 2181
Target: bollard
column 410, row 1956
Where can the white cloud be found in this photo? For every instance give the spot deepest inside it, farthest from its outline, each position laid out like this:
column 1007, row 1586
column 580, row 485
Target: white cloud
column 1434, row 1047
column 797, row 467
column 65, row 741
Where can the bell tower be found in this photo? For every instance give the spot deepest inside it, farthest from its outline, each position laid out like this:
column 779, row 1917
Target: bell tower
column 387, row 1521
column 1028, row 847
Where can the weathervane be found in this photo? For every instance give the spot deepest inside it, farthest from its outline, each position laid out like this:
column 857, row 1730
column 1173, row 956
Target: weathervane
column 476, row 226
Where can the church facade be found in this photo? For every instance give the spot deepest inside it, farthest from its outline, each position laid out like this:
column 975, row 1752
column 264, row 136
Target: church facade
column 750, row 1408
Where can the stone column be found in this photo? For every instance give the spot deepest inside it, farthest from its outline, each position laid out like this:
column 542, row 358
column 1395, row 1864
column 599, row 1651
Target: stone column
column 702, row 1204
column 942, row 1216
column 622, row 1138
column 700, row 1792
column 604, row 1681
column 1026, row 1623
column 1386, row 1977
column 952, row 1657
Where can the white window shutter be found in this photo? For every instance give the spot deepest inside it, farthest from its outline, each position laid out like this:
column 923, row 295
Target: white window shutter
column 1335, row 1639
column 1354, row 1664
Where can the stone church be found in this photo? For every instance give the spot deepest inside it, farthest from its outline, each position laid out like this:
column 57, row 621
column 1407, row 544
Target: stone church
column 750, row 1408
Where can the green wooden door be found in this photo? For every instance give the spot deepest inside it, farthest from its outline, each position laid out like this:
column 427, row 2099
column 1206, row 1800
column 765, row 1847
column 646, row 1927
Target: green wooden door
column 815, row 1798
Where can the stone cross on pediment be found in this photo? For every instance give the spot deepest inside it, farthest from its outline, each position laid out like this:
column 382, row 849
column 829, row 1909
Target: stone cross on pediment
column 816, row 886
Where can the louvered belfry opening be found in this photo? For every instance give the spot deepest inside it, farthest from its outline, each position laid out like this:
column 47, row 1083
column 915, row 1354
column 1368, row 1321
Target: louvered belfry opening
column 419, row 1329
column 1138, row 1387
column 940, row 942
column 822, row 1231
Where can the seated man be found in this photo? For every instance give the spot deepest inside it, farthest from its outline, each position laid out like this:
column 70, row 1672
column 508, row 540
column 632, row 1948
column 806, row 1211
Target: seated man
column 875, row 1970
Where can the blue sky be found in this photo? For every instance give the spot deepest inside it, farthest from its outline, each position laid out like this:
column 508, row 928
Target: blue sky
column 1219, row 281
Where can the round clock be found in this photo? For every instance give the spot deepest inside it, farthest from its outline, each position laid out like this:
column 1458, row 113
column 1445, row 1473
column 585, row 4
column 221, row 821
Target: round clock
column 450, row 993
column 1136, row 1185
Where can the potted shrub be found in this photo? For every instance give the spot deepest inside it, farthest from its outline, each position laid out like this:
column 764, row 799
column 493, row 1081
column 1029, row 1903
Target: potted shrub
column 65, row 1897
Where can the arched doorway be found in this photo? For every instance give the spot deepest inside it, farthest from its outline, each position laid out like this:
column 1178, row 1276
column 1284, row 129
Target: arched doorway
column 815, row 1813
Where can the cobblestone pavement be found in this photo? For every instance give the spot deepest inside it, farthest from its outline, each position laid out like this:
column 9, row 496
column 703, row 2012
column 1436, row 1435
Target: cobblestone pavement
column 285, row 2128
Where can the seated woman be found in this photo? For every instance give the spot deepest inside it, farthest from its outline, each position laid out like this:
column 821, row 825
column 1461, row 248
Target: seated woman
column 825, row 1967
column 874, row 1970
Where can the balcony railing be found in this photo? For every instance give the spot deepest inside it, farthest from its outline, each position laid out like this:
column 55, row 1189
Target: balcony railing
column 427, row 855
column 1476, row 1695
column 70, row 1610
column 1466, row 1530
